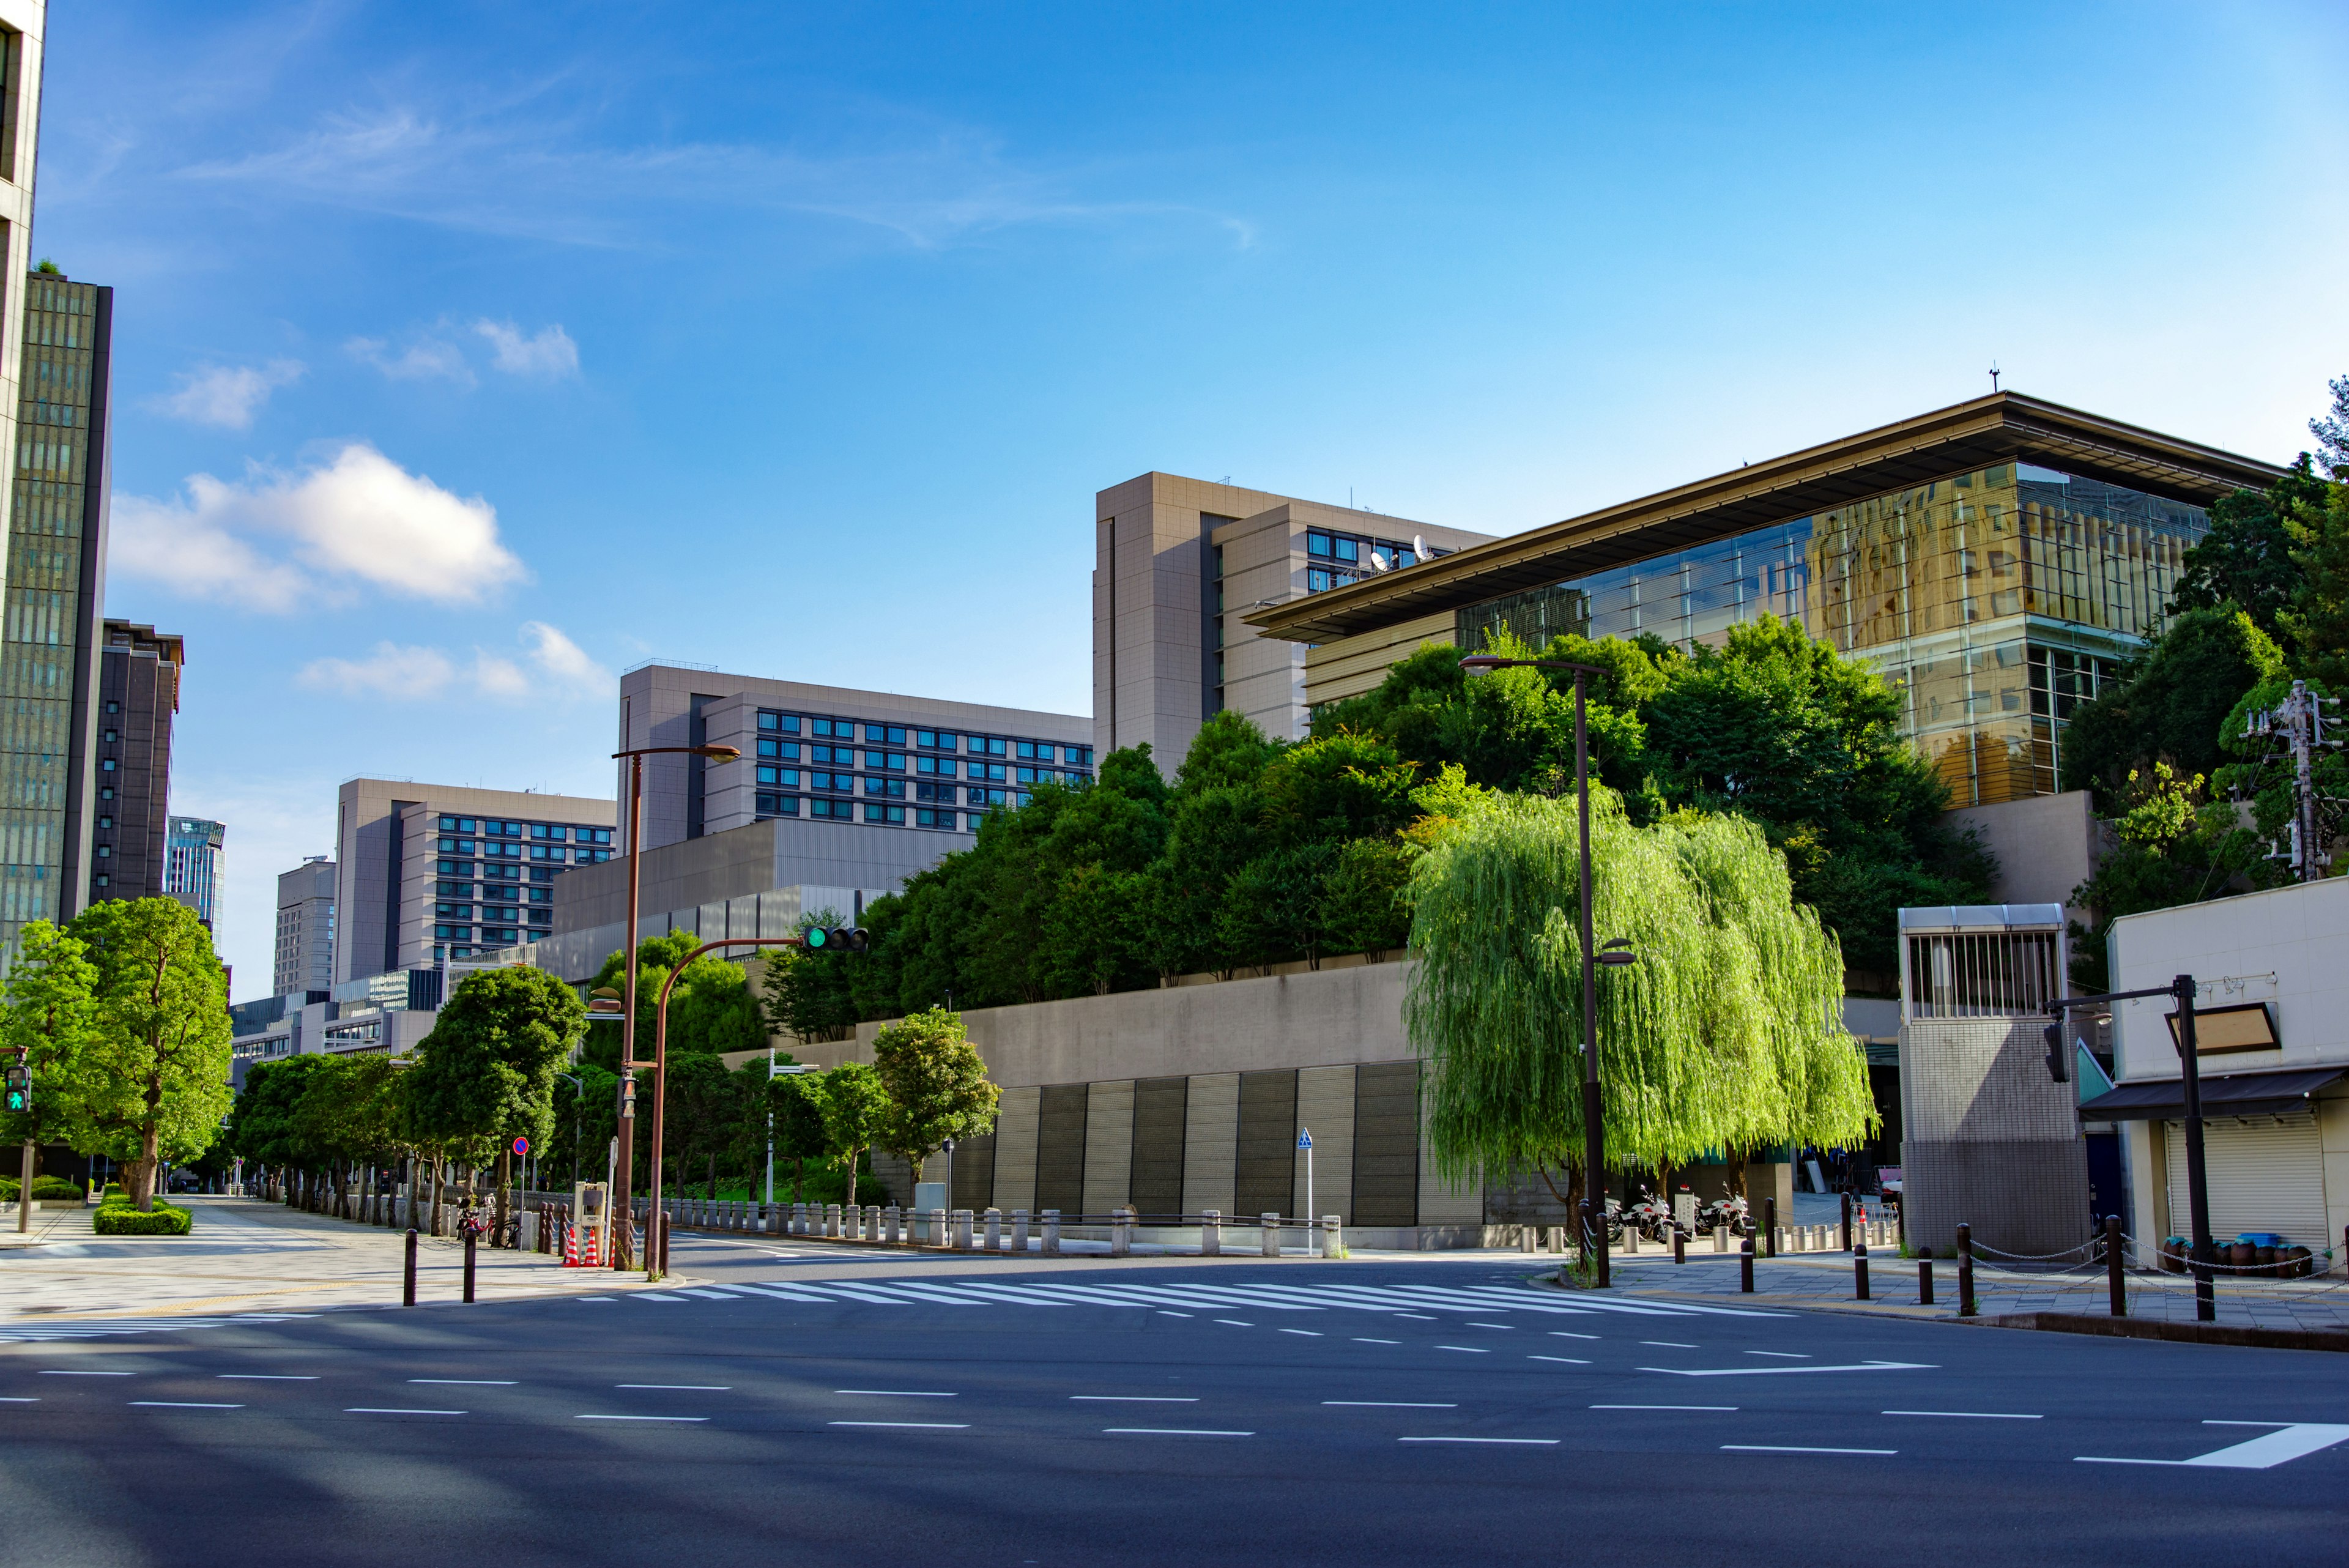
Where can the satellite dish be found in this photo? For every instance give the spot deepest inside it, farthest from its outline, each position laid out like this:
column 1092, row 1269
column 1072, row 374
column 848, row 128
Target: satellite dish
column 1379, row 562
column 1419, row 547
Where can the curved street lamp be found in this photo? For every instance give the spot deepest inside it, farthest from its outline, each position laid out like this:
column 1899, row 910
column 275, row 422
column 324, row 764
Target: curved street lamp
column 1616, row 952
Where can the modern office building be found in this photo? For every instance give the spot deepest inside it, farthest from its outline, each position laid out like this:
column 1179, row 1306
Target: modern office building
column 1998, row 560
column 305, row 958
column 138, row 692
column 192, row 865
column 428, row 873
column 50, row 635
column 1178, row 562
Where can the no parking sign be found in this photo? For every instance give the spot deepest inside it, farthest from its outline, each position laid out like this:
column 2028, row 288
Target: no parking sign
column 521, row 1145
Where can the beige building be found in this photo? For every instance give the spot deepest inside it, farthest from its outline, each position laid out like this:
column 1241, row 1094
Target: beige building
column 1178, row 562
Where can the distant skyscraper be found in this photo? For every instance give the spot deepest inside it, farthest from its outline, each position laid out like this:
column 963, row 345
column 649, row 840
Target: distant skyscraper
column 139, row 691
column 305, row 929
column 192, row 865
column 49, row 640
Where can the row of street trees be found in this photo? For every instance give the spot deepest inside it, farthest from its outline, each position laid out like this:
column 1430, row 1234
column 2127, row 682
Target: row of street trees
column 123, row 1016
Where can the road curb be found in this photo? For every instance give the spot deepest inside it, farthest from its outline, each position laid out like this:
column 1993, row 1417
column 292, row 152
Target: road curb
column 2243, row 1335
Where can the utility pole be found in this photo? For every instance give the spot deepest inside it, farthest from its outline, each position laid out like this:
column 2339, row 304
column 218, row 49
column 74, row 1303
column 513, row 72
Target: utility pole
column 2298, row 727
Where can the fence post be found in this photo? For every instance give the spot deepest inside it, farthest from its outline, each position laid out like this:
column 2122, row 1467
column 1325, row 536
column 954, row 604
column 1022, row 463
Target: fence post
column 872, row 1221
column 831, row 1221
column 1271, row 1237
column 407, row 1290
column 1211, row 1233
column 1051, row 1233
column 891, row 1230
column 2113, row 1284
column 1745, row 1267
column 1965, row 1271
column 1859, row 1268
column 1924, row 1281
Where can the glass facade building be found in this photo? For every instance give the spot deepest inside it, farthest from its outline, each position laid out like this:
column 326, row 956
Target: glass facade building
column 493, row 876
column 1995, row 601
column 50, row 632
column 896, row 775
column 192, row 865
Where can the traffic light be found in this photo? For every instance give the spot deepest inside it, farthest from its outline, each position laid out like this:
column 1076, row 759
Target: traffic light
column 836, row 938
column 19, row 1095
column 2059, row 1062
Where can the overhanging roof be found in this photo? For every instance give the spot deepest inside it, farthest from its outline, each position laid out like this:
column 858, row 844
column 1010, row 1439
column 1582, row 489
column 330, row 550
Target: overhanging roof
column 2227, row 1095
column 2005, row 427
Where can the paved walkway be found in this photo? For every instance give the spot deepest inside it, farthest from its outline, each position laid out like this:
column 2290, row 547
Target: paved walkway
column 249, row 1256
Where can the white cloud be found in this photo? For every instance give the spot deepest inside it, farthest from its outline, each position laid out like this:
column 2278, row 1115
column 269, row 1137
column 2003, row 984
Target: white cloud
column 227, row 395
column 551, row 354
column 422, row 360
column 551, row 666
column 356, row 518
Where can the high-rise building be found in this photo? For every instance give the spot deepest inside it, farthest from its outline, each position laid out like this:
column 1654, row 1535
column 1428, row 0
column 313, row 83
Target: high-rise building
column 192, row 865
column 1175, row 559
column 304, row 960
column 427, row 873
column 138, row 692
column 49, row 637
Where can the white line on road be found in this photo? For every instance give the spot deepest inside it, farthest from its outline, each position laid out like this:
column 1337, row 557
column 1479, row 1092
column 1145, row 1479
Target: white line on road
column 184, row 1404
column 1308, row 1333
column 927, row 1426
column 1779, row 1371
column 643, row 1417
column 1492, row 1325
column 1668, row 1344
column 1235, row 1322
column 19, row 1399
column 1569, row 1360
column 1968, row 1414
column 1566, row 1333
column 394, row 1411
column 1175, row 1432
column 1164, row 1313
column 1532, row 1442
column 1422, row 1316
column 53, row 1373
column 1140, row 1398
column 1390, row 1405
column 898, row 1393
column 469, row 1382
column 1789, row 1448
column 267, row 1376
column 2264, row 1452
column 1360, row 1340
column 693, row 1388
column 1471, row 1349
column 1663, row 1406
column 1782, row 1355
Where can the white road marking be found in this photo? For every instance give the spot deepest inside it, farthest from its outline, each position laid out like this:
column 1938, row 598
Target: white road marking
column 394, row 1411
column 49, row 1374
column 691, row 1387
column 1663, row 1406
column 924, row 1426
column 1569, row 1360
column 1390, row 1405
column 184, row 1404
column 19, row 1399
column 1164, row 1313
column 267, row 1376
column 469, row 1382
column 1308, row 1333
column 1782, row 1355
column 1790, row 1449
column 1532, row 1442
column 655, row 1296
column 1780, row 1371
column 1175, row 1432
column 1470, row 1349
column 900, row 1393
column 2264, row 1452
column 1967, row 1415
column 1568, row 1333
column 1492, row 1325
column 642, row 1418
column 1420, row 1315
column 1669, row 1344
column 1360, row 1340
column 1235, row 1322
column 1138, row 1399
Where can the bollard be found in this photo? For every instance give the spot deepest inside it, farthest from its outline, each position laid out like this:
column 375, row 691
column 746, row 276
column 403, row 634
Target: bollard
column 892, row 1224
column 469, row 1238
column 1745, row 1267
column 799, row 1220
column 937, row 1228
column 962, row 1218
column 2112, row 1283
column 660, row 1259
column 1924, row 1281
column 1846, row 1222
column 1121, row 1233
column 1528, row 1239
column 1965, row 1271
column 1333, row 1243
column 1052, row 1243
column 1720, row 1238
column 1211, row 1233
column 994, row 1239
column 407, row 1290
column 1271, row 1234
column 1019, row 1232
column 831, row 1221
column 1859, row 1268
column 1588, row 1245
column 872, row 1221
column 1679, row 1243
column 1555, row 1236
column 1770, row 1224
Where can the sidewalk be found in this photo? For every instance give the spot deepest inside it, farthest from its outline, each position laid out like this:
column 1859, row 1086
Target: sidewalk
column 247, row 1255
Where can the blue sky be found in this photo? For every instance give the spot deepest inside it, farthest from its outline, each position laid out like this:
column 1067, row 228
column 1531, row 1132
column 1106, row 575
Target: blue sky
column 466, row 356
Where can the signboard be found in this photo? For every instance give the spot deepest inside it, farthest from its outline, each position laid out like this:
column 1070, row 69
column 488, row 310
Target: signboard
column 1304, row 1139
column 522, row 1145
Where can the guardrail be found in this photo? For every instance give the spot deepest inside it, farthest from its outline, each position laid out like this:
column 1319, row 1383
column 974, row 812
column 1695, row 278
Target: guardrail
column 1046, row 1232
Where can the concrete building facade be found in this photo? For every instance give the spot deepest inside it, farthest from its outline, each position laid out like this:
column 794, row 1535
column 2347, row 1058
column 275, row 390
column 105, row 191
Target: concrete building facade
column 139, row 673
column 303, row 959
column 1174, row 558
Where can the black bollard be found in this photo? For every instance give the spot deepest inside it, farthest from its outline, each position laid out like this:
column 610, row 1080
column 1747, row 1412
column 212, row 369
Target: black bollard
column 2113, row 1284
column 408, row 1290
column 1680, row 1245
column 1859, row 1269
column 469, row 1265
column 1846, row 1221
column 1745, row 1267
column 1770, row 1225
column 1924, row 1281
column 1965, row 1271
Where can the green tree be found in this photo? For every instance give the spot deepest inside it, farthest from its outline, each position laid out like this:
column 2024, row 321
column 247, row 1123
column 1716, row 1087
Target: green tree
column 856, row 1112
column 2318, row 620
column 2244, row 562
column 153, row 1085
column 937, row 1085
column 713, row 1010
column 1365, row 903
column 700, row 1117
column 486, row 1072
column 46, row 1024
column 2174, row 845
column 808, row 995
column 270, row 1129
column 1722, row 1036
column 2171, row 704
column 796, row 1102
column 587, row 1117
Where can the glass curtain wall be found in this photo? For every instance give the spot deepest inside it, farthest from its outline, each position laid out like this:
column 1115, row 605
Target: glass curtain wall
column 1994, row 601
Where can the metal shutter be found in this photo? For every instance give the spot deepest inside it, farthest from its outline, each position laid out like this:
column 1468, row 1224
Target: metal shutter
column 2264, row 1175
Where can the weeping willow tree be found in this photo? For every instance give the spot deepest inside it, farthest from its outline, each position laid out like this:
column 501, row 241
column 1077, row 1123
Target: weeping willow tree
column 1723, row 1036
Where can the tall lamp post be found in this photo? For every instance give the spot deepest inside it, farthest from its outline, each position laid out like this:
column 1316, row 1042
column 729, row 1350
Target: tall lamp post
column 1594, row 1132
column 624, row 1201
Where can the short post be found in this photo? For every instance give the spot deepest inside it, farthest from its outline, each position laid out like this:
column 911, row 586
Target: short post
column 470, row 1240
column 2113, row 1284
column 1051, row 1233
column 1528, row 1238
column 1271, row 1237
column 872, row 1221
column 937, row 1228
column 962, row 1219
column 1556, row 1236
column 993, row 1239
column 831, row 1221
column 1846, row 1222
column 1589, row 1245
column 1211, row 1233
column 1965, row 1271
column 1720, row 1238
column 407, row 1290
column 1019, row 1232
column 889, row 1225
column 1859, row 1269
column 1332, row 1240
column 1679, row 1243
column 1745, row 1266
column 1924, row 1281
column 1121, row 1233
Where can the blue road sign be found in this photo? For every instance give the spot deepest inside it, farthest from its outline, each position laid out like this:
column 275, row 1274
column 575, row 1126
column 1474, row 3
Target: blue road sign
column 1304, row 1139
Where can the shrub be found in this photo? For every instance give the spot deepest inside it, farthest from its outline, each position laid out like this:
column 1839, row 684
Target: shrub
column 43, row 1187
column 118, row 1218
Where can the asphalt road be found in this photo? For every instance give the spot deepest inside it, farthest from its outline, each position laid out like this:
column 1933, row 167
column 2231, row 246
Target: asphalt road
column 792, row 1411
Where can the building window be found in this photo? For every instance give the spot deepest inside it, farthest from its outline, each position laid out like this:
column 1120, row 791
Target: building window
column 843, row 810
column 893, row 814
column 937, row 767
column 885, row 734
column 894, row 789
column 844, row 783
column 887, row 762
column 1317, row 544
column 111, row 737
column 106, row 852
column 108, row 767
column 114, row 707
column 936, row 740
column 925, row 819
column 1080, row 755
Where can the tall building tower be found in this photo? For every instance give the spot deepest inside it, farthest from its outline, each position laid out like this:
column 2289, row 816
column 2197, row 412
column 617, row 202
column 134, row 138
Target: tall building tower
column 49, row 639
column 192, row 865
column 139, row 692
column 306, row 929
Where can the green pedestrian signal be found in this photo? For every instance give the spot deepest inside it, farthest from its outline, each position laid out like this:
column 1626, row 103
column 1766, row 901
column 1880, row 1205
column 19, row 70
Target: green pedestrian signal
column 20, row 1096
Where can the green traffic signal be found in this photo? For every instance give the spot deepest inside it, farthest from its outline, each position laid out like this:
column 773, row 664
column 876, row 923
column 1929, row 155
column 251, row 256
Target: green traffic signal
column 19, row 1101
column 817, row 938
column 844, row 939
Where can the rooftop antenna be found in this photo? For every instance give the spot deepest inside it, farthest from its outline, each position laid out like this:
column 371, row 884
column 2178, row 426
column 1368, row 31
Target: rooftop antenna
column 1993, row 376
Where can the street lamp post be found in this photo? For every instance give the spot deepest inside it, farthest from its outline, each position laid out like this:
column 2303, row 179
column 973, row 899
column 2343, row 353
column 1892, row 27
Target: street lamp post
column 1594, row 1132
column 625, row 1179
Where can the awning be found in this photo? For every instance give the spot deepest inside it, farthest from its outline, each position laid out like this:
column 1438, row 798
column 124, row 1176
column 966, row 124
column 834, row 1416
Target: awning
column 2223, row 1094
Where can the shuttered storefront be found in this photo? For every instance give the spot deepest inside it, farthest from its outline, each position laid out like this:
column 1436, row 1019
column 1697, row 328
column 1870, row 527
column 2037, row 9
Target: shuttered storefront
column 2264, row 1175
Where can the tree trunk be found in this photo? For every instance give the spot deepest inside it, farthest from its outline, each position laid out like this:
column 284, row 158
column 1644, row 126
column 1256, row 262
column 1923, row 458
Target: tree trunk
column 505, row 1175
column 141, row 1188
column 24, row 1184
column 440, row 1183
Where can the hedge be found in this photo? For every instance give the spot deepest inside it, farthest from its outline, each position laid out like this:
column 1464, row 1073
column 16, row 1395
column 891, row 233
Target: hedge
column 119, row 1219
column 43, row 1187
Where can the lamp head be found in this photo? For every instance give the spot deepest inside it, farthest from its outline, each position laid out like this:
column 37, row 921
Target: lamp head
column 1485, row 663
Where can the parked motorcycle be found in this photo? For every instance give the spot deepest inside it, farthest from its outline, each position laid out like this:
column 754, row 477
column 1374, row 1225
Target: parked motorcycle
column 1652, row 1216
column 1729, row 1211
